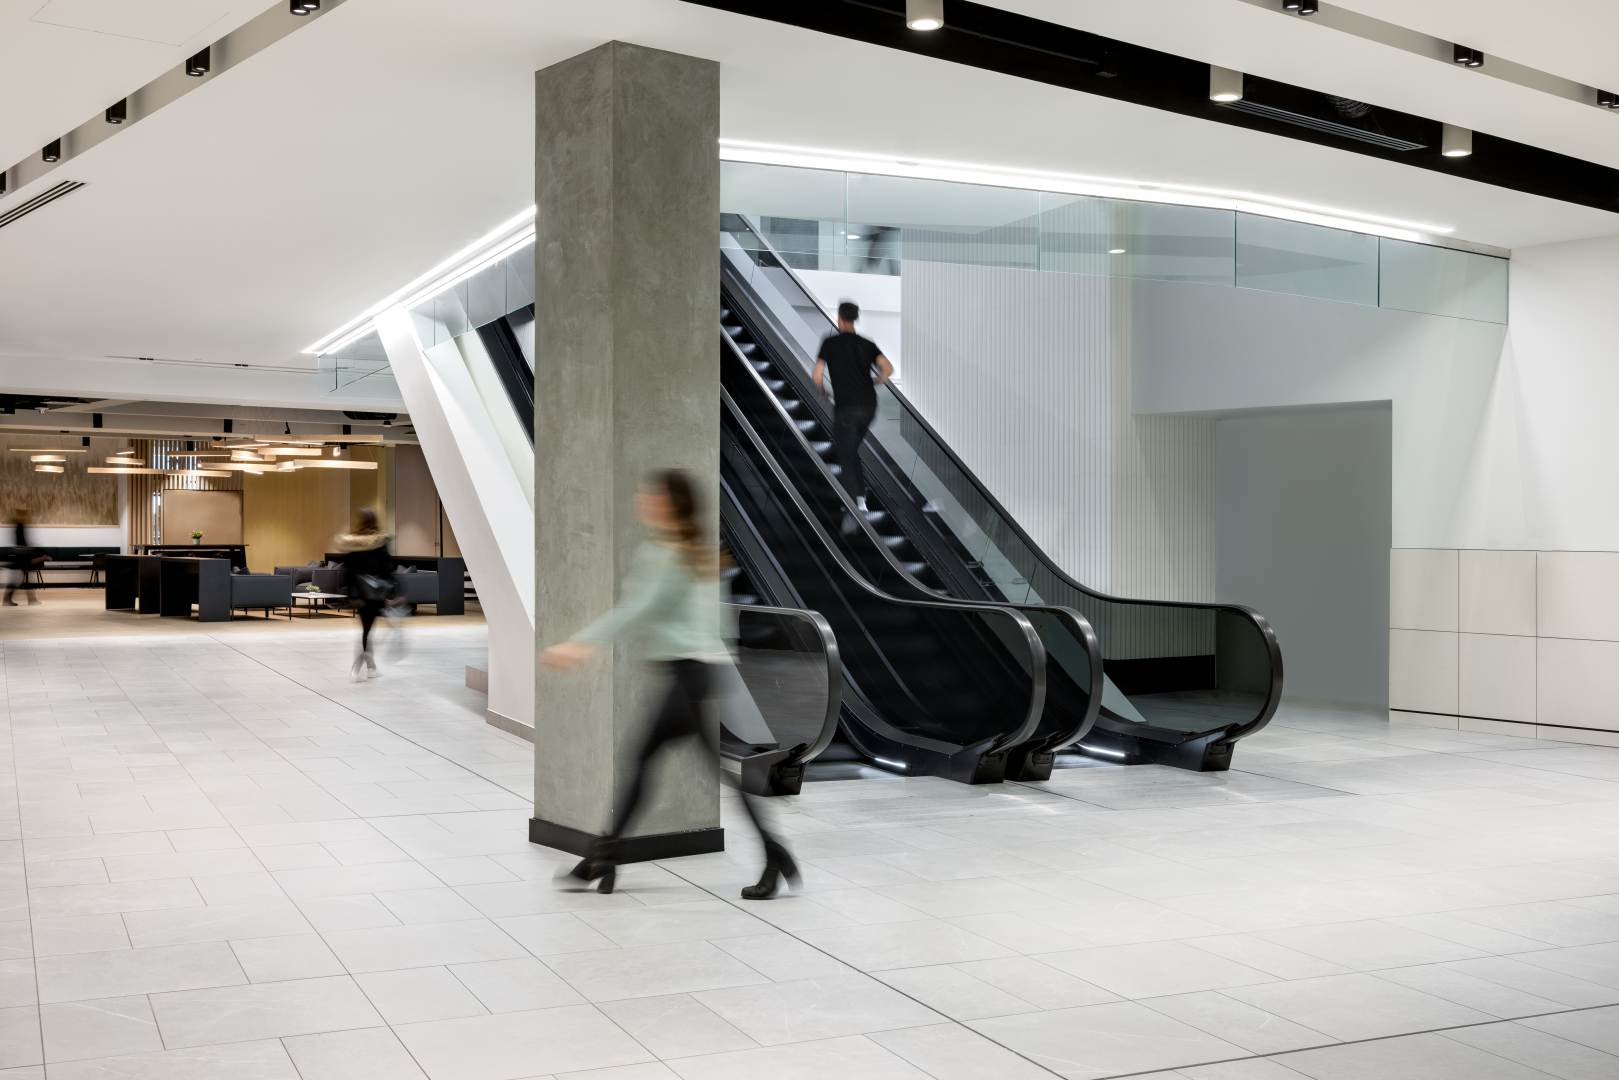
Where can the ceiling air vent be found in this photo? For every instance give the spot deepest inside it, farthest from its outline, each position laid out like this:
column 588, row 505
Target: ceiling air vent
column 40, row 201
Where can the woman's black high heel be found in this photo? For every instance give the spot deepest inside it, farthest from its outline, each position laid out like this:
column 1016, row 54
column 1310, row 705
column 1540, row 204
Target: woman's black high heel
column 779, row 868
column 596, row 867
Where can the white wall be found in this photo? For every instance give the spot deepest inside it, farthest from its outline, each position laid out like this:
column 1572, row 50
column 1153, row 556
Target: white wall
column 1302, row 511
column 69, row 535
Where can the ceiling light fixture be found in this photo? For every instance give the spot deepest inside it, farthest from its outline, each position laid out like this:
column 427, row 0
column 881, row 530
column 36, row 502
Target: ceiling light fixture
column 121, row 453
column 49, row 459
column 52, row 151
column 1290, row 5
column 2, row 181
column 1225, row 85
column 1457, row 142
column 1247, row 202
column 303, row 7
column 118, row 111
column 1309, row 7
column 1466, row 57
column 47, row 449
column 119, row 459
column 1605, row 98
column 202, row 63
column 924, row 14
column 49, row 468
column 1115, row 251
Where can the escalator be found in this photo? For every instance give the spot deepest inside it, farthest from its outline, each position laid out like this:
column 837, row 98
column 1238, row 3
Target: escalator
column 894, row 565
column 1183, row 682
column 922, row 692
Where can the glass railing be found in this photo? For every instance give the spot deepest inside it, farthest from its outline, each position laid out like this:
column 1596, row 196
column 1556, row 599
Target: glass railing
column 1152, row 649
column 859, row 223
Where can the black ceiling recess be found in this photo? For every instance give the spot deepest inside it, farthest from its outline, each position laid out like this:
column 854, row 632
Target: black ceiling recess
column 985, row 37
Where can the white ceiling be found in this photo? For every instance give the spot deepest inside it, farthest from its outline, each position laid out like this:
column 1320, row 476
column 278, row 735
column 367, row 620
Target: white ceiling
column 64, row 61
column 251, row 216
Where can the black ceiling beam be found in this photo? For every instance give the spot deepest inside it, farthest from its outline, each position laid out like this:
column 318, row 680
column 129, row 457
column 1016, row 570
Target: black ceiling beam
column 988, row 38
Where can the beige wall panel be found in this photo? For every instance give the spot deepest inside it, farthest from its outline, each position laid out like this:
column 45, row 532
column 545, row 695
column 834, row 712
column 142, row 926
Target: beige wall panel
column 291, row 518
column 216, row 514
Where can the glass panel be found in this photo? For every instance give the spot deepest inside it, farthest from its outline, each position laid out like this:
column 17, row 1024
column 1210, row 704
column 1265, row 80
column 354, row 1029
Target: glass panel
column 793, row 682
column 781, row 191
column 946, row 222
column 1442, row 281
column 1141, row 240
column 1307, row 260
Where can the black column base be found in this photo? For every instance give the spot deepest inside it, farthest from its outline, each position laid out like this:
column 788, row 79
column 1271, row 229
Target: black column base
column 631, row 848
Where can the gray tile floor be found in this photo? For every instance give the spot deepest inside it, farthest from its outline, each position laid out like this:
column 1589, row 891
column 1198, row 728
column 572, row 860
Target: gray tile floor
column 221, row 859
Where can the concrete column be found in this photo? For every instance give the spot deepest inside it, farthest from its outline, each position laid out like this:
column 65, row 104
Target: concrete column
column 627, row 380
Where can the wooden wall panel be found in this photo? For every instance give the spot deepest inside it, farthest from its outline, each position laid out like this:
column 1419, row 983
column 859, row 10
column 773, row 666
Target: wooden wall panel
column 216, row 514
column 291, row 518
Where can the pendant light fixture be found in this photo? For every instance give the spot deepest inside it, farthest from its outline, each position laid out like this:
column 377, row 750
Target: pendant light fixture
column 1457, row 142
column 1225, row 85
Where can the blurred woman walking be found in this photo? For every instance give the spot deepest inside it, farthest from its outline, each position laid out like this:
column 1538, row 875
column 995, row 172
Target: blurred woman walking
column 673, row 603
column 368, row 572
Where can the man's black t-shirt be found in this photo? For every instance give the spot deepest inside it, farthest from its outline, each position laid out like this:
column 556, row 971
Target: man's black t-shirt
column 849, row 360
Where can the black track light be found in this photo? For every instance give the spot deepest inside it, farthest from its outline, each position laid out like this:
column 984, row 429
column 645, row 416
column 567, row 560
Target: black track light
column 1466, row 57
column 118, row 111
column 303, row 7
column 85, row 441
column 286, row 427
column 52, row 151
column 201, row 64
column 1309, row 7
column 1605, row 98
column 2, row 181
column 1290, row 5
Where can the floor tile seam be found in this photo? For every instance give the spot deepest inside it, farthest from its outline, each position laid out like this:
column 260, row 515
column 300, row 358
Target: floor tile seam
column 869, row 975
column 1441, row 1031
column 374, row 1008
column 369, row 720
column 33, row 950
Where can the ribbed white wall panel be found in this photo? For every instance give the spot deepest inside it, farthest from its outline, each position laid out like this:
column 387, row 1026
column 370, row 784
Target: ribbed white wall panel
column 1027, row 375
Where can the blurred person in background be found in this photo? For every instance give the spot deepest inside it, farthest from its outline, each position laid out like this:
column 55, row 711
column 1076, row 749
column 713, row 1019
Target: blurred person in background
column 368, row 573
column 20, row 560
column 673, row 603
column 857, row 367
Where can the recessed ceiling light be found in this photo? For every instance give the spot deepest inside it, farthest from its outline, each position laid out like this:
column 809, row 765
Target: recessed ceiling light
column 924, row 14
column 303, row 7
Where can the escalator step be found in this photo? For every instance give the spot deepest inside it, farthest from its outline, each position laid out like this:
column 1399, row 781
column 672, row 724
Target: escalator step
column 761, row 366
column 735, row 330
column 914, row 568
column 893, row 543
column 725, row 314
column 792, row 405
column 805, row 426
column 776, row 385
column 748, row 347
column 822, row 447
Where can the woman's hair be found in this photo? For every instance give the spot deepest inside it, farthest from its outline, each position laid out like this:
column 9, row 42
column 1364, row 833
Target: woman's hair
column 365, row 520
column 677, row 488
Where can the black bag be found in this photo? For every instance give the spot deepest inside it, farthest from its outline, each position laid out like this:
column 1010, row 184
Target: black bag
column 373, row 589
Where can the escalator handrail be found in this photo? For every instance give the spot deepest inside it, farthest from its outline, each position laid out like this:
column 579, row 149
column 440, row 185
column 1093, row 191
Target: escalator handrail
column 834, row 672
column 1260, row 624
column 1074, row 622
column 1035, row 648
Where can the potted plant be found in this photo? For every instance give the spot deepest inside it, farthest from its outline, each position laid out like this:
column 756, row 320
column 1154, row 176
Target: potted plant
column 196, row 536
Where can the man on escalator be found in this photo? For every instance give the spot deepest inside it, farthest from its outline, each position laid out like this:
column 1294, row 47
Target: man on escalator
column 852, row 361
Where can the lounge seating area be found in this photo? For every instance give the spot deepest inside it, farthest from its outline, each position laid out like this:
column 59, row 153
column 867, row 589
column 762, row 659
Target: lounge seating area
column 211, row 589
